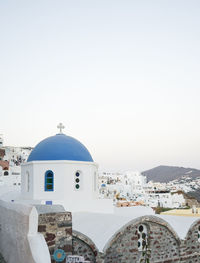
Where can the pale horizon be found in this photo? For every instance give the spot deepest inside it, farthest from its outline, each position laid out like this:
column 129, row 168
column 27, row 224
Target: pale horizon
column 122, row 76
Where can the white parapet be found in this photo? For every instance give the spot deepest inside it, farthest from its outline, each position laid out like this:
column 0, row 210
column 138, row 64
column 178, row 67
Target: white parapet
column 19, row 240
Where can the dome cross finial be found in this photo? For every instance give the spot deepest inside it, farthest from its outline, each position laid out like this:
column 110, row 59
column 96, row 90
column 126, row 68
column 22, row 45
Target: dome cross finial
column 60, row 127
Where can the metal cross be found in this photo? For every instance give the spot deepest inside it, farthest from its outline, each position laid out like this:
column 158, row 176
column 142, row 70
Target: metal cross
column 61, row 127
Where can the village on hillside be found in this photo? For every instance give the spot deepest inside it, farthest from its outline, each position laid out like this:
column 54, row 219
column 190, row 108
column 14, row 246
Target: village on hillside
column 61, row 208
column 126, row 189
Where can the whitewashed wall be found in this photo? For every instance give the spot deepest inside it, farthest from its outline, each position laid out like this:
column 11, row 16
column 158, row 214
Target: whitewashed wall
column 64, row 184
column 19, row 240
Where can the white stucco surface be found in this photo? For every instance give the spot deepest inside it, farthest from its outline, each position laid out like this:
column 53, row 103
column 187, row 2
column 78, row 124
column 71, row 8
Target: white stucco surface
column 101, row 228
column 9, row 192
column 180, row 224
column 64, row 180
column 19, row 240
column 64, row 191
column 39, row 248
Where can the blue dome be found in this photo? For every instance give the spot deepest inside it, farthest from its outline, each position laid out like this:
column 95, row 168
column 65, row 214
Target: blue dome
column 60, row 147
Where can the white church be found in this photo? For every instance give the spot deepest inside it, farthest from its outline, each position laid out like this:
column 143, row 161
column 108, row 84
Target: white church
column 60, row 170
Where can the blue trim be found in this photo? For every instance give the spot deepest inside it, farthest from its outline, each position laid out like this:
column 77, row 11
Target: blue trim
column 49, row 181
column 49, row 202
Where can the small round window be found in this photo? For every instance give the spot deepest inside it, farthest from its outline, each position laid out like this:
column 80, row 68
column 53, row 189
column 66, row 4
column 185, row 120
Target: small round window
column 141, row 228
column 77, row 180
column 6, row 173
column 142, row 237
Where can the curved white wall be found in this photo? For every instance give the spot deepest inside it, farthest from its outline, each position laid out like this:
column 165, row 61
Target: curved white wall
column 19, row 240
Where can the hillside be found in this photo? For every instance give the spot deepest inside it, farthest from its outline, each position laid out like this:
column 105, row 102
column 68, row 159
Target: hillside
column 195, row 194
column 164, row 174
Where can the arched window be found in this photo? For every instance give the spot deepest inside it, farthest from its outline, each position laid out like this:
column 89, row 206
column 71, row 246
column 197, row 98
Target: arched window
column 27, row 181
column 49, row 181
column 95, row 181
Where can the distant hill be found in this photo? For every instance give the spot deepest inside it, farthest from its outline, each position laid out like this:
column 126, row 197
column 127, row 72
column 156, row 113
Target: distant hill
column 164, row 174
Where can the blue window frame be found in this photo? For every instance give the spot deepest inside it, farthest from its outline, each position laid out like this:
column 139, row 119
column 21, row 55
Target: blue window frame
column 49, row 181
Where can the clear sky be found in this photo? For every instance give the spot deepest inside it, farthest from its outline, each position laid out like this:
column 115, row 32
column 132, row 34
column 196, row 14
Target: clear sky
column 122, row 75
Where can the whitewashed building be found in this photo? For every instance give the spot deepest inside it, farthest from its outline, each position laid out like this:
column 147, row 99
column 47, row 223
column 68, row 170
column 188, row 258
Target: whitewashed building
column 11, row 159
column 60, row 170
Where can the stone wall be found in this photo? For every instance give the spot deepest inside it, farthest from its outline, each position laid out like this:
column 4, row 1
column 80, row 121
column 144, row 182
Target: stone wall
column 190, row 249
column 56, row 226
column 162, row 245
column 84, row 246
column 124, row 246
